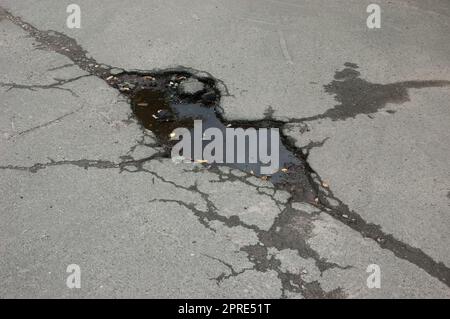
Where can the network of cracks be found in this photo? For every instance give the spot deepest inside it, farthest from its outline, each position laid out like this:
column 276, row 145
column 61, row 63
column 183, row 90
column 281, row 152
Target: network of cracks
column 163, row 100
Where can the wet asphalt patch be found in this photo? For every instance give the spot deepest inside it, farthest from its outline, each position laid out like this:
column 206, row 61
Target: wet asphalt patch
column 359, row 96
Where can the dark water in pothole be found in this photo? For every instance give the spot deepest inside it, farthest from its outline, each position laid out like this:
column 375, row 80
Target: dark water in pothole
column 158, row 106
column 162, row 117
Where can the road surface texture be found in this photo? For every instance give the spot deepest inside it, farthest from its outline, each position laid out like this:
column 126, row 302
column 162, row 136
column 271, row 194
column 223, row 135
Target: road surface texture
column 82, row 182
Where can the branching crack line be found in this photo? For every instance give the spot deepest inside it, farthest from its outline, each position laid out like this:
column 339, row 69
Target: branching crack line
column 270, row 238
column 84, row 163
column 56, row 85
column 223, row 276
column 416, row 256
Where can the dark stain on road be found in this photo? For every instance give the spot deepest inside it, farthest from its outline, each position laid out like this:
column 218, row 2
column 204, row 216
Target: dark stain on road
column 358, row 96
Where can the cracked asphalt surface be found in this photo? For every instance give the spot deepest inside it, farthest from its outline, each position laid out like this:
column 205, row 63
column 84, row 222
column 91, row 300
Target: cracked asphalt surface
column 367, row 111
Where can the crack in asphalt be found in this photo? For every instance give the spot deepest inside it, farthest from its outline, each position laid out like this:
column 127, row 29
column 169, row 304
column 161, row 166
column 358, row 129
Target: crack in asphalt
column 355, row 95
column 56, row 85
column 290, row 230
column 416, row 256
column 59, row 118
column 67, row 65
column 259, row 255
column 83, row 163
column 223, row 276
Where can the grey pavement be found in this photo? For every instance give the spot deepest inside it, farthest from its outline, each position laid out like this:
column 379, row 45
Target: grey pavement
column 371, row 107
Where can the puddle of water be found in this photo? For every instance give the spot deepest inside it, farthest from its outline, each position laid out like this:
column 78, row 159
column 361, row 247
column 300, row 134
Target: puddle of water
column 160, row 109
column 155, row 113
column 210, row 119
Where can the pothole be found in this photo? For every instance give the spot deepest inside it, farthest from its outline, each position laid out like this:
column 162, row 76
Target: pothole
column 163, row 102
